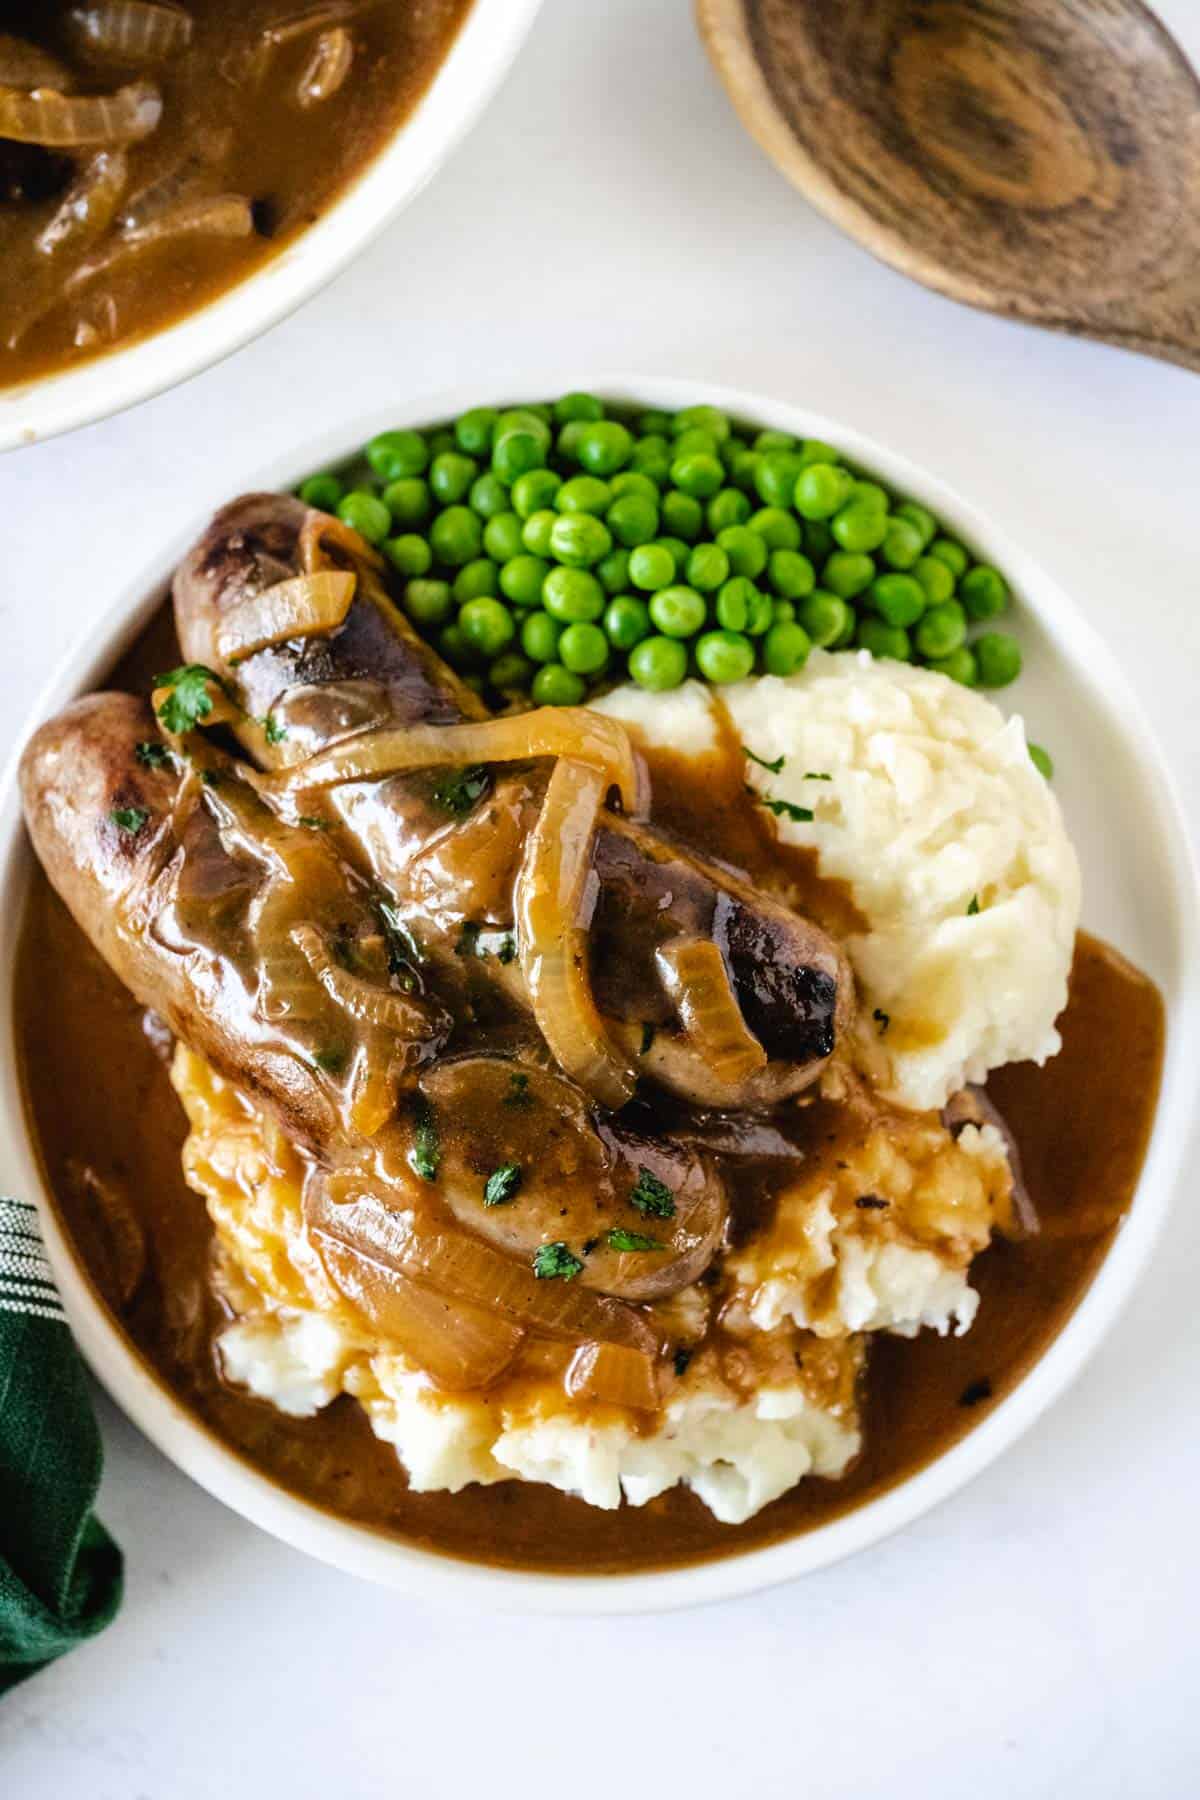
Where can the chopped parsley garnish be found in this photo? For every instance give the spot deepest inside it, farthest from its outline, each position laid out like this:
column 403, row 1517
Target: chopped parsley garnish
column 426, row 1152
column 554, row 1262
column 590, row 1244
column 332, row 1061
column 784, row 809
column 402, row 947
column 489, row 941
column 129, row 819
column 518, row 1091
column 273, row 730
column 975, row 1391
column 817, row 775
column 682, row 1359
column 468, row 940
column 871, row 1203
column 457, row 793
column 774, row 767
column 652, row 1197
column 974, row 906
column 210, row 777
column 153, row 755
column 311, row 823
column 647, row 1038
column 502, row 1185
column 508, row 948
column 882, row 1019
column 620, row 1239
column 189, row 700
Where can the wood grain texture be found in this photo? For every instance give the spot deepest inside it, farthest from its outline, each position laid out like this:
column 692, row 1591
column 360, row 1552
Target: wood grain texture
column 1039, row 158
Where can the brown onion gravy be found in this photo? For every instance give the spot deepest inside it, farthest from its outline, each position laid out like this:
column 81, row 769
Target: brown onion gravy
column 100, row 1101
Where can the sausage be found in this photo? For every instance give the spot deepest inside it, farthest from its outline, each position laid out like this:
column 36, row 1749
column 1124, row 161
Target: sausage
column 791, row 981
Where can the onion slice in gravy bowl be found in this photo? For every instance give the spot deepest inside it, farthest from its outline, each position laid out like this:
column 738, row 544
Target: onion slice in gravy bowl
column 1150, row 911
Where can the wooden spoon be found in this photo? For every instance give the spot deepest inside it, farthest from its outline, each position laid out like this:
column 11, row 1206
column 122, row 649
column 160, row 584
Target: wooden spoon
column 1040, row 158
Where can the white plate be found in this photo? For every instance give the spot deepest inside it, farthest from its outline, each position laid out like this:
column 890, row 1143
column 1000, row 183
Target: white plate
column 478, row 60
column 1140, row 892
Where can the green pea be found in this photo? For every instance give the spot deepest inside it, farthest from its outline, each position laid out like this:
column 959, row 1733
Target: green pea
column 651, row 566
column 791, row 574
column 824, row 616
column 572, row 595
column 632, row 481
column 535, row 420
column 487, row 625
column 428, row 602
column 442, row 440
column 898, row 599
column 583, row 649
column 658, row 663
column 567, row 441
column 655, row 424
column 522, row 579
column 936, row 577
column 579, row 540
column 847, row 573
column 456, row 647
column 450, row 477
column 502, row 537
column 882, row 639
column 960, row 666
column 703, row 418
column 456, row 536
column 724, row 656
column 779, row 530
column 652, row 457
column 743, row 470
column 394, row 454
column 678, row 551
column 746, row 551
column 859, row 527
column 820, row 491
column 731, row 452
column 515, row 453
column 475, row 579
column 846, row 635
column 678, row 612
column 366, row 514
column 782, row 612
column 761, row 615
column 584, row 494
column 578, row 406
column 605, row 447
column 942, row 631
column 627, row 621
column 473, row 430
column 1042, row 760
column 775, row 440
column 919, row 518
column 998, row 657
column 632, row 519
column 696, row 442
column 556, row 686
column 321, row 491
column 535, row 491
column 901, row 546
column 785, row 649
column 539, row 637
column 473, row 680
column 733, row 603
column 983, row 591
column 408, row 500
column 707, row 567
column 776, row 476
column 408, row 554
column 612, row 571
column 815, row 451
column 698, row 475
column 511, row 673
column 951, row 552
column 818, row 540
column 728, row 506
column 535, row 533
column 869, row 493
column 489, row 496
column 682, row 515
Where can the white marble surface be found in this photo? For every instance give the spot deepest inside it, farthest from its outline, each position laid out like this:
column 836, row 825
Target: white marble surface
column 1036, row 1636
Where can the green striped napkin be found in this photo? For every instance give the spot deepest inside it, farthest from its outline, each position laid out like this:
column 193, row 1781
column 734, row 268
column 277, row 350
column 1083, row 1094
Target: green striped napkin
column 60, row 1572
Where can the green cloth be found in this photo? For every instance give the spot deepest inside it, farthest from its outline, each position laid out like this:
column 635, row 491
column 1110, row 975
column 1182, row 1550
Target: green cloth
column 60, row 1572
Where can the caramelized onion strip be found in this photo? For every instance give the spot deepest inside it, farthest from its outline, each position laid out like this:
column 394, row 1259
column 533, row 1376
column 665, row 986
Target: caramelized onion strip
column 327, row 67
column 554, row 946
column 695, row 976
column 320, row 529
column 304, row 606
column 615, row 1375
column 88, row 206
column 135, row 32
column 69, row 122
column 588, row 739
column 364, row 1001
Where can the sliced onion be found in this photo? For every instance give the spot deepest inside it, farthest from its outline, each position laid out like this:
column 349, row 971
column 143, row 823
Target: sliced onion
column 695, row 976
column 615, row 1375
column 209, row 215
column 88, row 206
column 467, row 1268
column 298, row 23
column 96, row 323
column 553, row 945
column 304, row 606
column 320, row 529
column 362, row 1000
column 161, row 195
column 67, row 122
column 327, row 67
column 458, row 1346
column 373, row 1096
column 130, row 31
column 26, row 65
column 588, row 739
